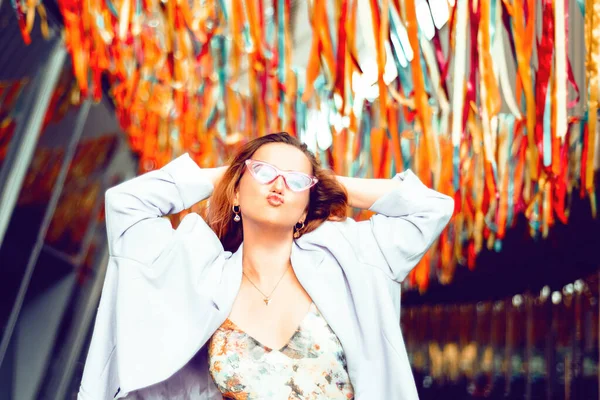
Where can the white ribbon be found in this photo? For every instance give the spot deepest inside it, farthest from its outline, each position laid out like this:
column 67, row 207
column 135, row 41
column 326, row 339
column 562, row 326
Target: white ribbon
column 460, row 64
column 500, row 68
column 561, row 69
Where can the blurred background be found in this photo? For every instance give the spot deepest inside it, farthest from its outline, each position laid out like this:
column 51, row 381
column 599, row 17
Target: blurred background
column 494, row 103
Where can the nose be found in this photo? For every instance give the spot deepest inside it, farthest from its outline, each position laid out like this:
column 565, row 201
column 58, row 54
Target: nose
column 278, row 185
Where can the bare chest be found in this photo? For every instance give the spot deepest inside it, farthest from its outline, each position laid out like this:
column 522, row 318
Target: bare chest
column 271, row 323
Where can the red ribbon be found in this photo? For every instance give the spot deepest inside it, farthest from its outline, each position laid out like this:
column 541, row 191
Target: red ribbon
column 444, row 62
column 584, row 157
column 471, row 95
column 560, row 183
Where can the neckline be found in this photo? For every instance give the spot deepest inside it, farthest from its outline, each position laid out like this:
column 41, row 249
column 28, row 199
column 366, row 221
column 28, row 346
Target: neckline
column 268, row 348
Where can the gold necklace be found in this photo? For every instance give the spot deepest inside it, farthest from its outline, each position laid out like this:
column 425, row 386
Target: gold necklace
column 266, row 299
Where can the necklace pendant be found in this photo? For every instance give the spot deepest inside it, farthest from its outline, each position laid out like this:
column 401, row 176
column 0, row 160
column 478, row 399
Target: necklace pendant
column 267, row 300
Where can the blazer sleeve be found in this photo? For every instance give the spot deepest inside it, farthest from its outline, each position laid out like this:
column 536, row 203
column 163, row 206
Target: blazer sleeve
column 408, row 220
column 135, row 209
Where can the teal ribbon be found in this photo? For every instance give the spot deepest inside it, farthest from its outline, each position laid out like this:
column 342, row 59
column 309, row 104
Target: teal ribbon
column 509, row 119
column 404, row 73
column 111, row 7
column 366, row 142
column 405, row 77
column 404, row 143
column 397, row 48
column 405, row 149
column 477, row 170
column 219, row 49
column 489, row 222
column 498, row 246
column 493, row 20
column 300, row 107
column 535, row 225
column 456, row 168
column 356, row 168
column 281, row 67
column 393, row 167
column 494, row 170
column 281, row 41
column 223, row 10
column 271, row 27
column 100, row 21
column 426, row 79
column 248, row 42
column 581, row 4
column 320, row 84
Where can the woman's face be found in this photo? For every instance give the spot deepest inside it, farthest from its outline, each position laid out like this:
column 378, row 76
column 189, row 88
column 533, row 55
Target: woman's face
column 274, row 204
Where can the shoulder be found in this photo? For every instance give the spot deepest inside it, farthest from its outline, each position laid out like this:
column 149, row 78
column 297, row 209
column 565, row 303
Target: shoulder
column 193, row 225
column 330, row 235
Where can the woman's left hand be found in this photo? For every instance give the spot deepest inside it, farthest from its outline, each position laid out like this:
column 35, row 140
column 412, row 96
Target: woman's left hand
column 363, row 193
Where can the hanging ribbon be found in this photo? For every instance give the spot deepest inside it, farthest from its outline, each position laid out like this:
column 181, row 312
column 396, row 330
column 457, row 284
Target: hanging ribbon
column 523, row 40
column 491, row 104
column 499, row 62
column 592, row 40
column 462, row 10
column 201, row 78
column 545, row 58
column 561, row 69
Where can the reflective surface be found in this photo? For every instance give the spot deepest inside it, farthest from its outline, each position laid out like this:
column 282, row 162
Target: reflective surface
column 530, row 346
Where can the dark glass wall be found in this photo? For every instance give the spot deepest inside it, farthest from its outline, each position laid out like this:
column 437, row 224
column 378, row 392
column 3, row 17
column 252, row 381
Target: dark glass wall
column 58, row 154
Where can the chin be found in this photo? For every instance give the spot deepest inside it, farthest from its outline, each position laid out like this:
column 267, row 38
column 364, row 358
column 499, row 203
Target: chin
column 272, row 218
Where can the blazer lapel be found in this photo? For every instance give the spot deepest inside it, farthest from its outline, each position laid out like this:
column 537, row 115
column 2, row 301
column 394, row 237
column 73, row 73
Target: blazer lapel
column 228, row 282
column 324, row 281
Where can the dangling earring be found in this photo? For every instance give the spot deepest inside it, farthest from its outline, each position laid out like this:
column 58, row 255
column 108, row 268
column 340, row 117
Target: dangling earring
column 297, row 228
column 236, row 211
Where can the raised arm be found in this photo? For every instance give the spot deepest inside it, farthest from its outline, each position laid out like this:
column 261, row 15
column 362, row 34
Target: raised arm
column 409, row 219
column 134, row 209
column 363, row 193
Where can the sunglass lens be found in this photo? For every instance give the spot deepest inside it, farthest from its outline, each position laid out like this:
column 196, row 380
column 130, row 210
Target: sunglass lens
column 264, row 173
column 297, row 181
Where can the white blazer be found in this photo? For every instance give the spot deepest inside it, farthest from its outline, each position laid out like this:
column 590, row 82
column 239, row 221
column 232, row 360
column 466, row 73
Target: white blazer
column 166, row 291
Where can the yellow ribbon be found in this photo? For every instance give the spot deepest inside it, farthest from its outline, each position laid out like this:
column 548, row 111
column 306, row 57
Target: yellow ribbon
column 490, row 101
column 523, row 46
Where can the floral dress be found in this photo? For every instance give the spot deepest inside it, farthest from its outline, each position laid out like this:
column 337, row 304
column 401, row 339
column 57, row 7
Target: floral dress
column 311, row 366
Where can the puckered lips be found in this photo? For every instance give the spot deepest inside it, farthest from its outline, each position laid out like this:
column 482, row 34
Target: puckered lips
column 275, row 199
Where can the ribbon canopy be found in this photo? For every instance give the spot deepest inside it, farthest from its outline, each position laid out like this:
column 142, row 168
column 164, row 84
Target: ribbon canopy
column 205, row 76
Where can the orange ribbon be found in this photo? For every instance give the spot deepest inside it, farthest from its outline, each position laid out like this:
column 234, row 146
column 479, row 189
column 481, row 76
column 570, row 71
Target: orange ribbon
column 523, row 37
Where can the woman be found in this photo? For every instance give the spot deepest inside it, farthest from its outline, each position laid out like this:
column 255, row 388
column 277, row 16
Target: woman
column 279, row 296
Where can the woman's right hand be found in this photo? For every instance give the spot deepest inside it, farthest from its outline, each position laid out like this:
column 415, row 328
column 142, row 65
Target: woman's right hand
column 214, row 175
